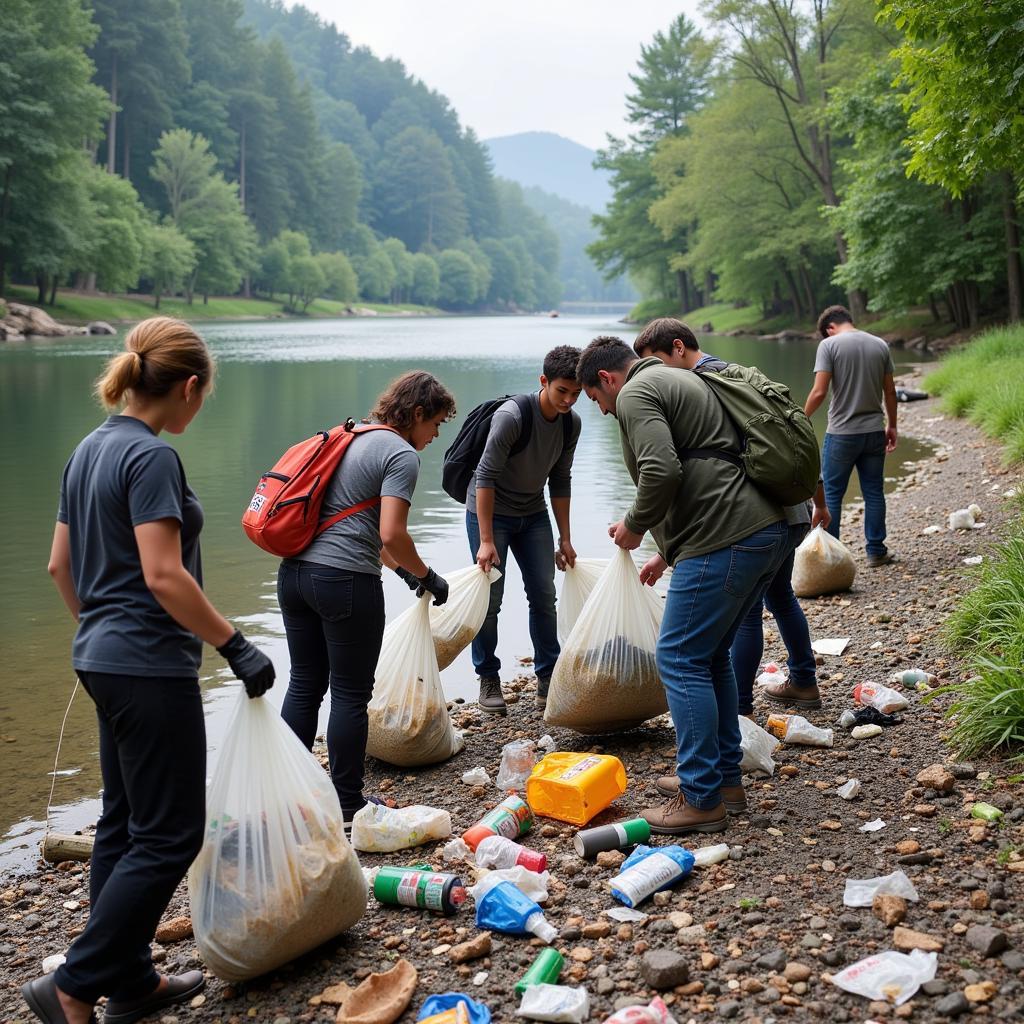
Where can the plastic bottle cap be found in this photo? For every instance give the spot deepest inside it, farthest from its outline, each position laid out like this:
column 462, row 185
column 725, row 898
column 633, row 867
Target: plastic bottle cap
column 457, row 895
column 532, row 860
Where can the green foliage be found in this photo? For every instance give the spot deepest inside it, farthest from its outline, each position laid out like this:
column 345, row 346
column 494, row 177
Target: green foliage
column 340, row 281
column 459, row 280
column 118, row 231
column 376, row 274
column 426, row 279
column 169, row 259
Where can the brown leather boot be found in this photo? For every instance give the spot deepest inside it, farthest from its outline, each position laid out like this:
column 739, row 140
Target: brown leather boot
column 734, row 798
column 677, row 818
column 792, row 696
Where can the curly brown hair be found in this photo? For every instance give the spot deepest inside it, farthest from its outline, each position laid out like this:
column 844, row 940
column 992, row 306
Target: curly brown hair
column 397, row 404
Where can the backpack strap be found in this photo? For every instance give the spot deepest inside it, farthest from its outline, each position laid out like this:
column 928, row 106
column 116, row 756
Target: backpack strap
column 716, row 453
column 525, row 405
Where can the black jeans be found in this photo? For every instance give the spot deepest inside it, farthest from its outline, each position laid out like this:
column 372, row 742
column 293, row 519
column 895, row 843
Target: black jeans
column 153, row 759
column 334, row 620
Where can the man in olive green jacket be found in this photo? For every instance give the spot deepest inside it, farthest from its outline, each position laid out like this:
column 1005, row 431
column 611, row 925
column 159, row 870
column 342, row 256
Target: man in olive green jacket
column 725, row 540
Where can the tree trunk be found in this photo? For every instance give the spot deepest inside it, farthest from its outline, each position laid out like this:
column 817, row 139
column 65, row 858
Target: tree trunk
column 1014, row 281
column 126, row 152
column 241, row 178
column 156, row 298
column 41, row 285
column 4, row 202
column 206, row 299
column 809, row 297
column 934, row 307
column 683, row 287
column 794, row 295
column 112, row 122
column 53, row 290
column 247, row 286
column 90, row 281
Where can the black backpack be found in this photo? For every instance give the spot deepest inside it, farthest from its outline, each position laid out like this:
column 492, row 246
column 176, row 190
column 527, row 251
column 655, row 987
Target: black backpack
column 463, row 456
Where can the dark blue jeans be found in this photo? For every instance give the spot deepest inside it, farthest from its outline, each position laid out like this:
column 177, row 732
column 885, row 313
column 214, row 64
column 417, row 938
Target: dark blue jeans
column 334, row 621
column 840, row 455
column 748, row 647
column 530, row 539
column 153, row 760
column 707, row 598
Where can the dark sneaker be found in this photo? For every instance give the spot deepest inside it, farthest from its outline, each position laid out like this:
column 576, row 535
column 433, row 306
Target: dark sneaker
column 491, row 699
column 877, row 561
column 734, row 797
column 792, row 696
column 542, row 693
column 677, row 818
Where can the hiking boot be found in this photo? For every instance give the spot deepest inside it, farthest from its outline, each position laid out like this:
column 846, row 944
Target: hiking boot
column 734, row 797
column 491, row 699
column 542, row 693
column 792, row 696
column 677, row 818
column 877, row 561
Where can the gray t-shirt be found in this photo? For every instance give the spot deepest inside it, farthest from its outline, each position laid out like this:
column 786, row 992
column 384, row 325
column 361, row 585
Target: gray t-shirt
column 518, row 482
column 858, row 362
column 119, row 477
column 379, row 464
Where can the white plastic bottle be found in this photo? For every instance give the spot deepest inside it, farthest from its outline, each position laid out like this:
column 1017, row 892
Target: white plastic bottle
column 499, row 852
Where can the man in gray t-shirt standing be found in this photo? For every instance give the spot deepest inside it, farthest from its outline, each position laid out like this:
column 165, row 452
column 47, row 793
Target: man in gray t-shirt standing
column 858, row 367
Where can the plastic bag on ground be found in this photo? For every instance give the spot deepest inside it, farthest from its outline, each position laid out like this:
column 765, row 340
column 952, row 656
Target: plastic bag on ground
column 822, row 565
column 961, row 519
column 860, row 892
column 555, row 1003
column 409, row 720
column 476, row 777
column 276, row 876
column 798, row 730
column 890, row 976
column 517, row 761
column 577, row 583
column 882, row 698
column 757, row 746
column 771, row 674
column 656, row 1012
column 531, row 883
column 456, row 623
column 379, row 829
column 606, row 677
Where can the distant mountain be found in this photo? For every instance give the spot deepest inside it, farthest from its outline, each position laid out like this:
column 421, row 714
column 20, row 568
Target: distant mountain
column 553, row 163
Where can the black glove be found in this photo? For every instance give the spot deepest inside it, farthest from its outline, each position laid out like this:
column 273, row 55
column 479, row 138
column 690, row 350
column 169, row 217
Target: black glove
column 437, row 585
column 249, row 664
column 407, row 577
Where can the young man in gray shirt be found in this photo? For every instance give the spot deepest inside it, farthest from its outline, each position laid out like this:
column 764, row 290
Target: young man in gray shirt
column 505, row 509
column 859, row 368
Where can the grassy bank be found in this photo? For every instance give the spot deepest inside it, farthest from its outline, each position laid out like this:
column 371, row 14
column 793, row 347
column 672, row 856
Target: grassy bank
column 75, row 307
column 985, row 383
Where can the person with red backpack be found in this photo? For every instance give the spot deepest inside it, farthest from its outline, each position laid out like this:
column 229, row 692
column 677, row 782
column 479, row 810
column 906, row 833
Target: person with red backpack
column 330, row 593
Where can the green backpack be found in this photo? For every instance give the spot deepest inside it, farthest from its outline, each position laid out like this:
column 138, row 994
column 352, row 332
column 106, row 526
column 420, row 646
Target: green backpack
column 778, row 449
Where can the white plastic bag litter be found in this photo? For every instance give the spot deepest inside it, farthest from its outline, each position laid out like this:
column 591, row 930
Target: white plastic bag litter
column 379, row 829
column 455, row 623
column 872, row 826
column 656, row 1012
column 757, row 746
column 276, row 876
column 822, row 565
column 849, row 789
column 798, row 730
column 883, row 698
column 889, row 976
column 577, row 583
column 962, row 519
column 555, row 1003
column 409, row 720
column 772, row 673
column 517, row 761
column 476, row 777
column 532, row 883
column 456, row 850
column 606, row 677
column 860, row 892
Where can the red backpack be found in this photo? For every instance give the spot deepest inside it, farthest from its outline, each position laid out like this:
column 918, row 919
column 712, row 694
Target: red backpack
column 284, row 514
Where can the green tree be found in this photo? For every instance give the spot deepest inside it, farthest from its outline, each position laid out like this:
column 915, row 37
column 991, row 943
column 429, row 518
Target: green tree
column 168, row 259
column 376, row 275
column 458, row 279
column 426, row 279
column 340, row 281
column 306, row 281
column 402, row 261
column 273, row 267
column 119, row 230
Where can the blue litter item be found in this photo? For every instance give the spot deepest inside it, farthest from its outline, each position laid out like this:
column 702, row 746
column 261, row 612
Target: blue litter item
column 506, row 908
column 478, row 1013
column 648, row 870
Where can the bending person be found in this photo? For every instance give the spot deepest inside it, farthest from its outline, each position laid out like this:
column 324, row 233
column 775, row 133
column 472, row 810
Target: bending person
column 331, row 595
column 125, row 559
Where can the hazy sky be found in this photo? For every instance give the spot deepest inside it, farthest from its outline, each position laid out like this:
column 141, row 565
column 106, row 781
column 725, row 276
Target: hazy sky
column 518, row 65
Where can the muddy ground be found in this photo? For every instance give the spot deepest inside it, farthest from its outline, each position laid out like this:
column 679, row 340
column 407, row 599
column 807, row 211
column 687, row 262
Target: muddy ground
column 760, row 933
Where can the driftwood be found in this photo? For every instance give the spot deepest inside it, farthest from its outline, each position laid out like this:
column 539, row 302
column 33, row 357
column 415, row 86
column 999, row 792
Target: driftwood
column 58, row 847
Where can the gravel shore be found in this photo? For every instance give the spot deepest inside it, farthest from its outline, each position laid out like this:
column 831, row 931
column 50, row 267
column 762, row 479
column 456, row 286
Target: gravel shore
column 758, row 936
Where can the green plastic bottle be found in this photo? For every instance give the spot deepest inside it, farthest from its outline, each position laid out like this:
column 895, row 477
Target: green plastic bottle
column 543, row 971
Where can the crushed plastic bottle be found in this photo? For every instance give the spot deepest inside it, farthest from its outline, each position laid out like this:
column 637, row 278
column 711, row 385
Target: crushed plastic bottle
column 529, row 883
column 796, row 729
column 882, row 698
column 912, row 676
column 511, row 818
column 517, row 761
column 505, row 909
column 708, row 855
column 986, row 812
column 648, row 870
column 499, row 852
column 544, row 970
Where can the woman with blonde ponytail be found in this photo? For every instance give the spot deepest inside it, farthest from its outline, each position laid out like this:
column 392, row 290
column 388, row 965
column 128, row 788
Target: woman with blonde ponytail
column 125, row 558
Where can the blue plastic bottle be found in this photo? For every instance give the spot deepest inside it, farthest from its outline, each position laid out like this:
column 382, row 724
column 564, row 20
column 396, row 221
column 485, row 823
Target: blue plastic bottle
column 507, row 909
column 648, row 870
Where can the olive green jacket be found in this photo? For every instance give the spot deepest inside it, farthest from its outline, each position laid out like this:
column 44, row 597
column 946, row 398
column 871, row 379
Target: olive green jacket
column 690, row 506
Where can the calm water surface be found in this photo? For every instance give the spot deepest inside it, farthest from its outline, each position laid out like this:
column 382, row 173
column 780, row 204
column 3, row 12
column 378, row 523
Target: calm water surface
column 278, row 382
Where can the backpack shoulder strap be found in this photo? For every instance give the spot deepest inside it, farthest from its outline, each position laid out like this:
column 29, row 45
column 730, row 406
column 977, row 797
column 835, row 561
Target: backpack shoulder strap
column 525, row 405
column 566, row 429
column 715, row 453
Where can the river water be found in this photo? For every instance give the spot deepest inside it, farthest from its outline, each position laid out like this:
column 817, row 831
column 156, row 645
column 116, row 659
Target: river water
column 278, row 382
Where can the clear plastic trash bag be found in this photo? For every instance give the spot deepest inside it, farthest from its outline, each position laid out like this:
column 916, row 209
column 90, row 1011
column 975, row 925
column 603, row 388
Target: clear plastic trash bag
column 577, row 583
column 276, row 876
column 822, row 565
column 455, row 623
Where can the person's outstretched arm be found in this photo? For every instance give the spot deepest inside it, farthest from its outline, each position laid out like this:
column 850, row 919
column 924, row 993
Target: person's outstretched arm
column 889, row 393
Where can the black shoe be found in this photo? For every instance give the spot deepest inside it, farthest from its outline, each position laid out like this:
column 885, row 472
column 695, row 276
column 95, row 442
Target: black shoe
column 491, row 699
column 542, row 692
column 179, row 988
column 41, row 996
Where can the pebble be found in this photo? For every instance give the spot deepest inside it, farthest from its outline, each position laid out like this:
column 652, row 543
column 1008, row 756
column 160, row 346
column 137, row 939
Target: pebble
column 907, row 939
column 986, row 940
column 663, row 968
column 1012, row 960
column 849, row 922
column 773, row 961
column 981, row 992
column 962, row 771
column 610, row 858
column 30, row 888
column 197, row 1001
column 952, row 1005
column 729, row 1009
column 796, row 972
column 889, row 909
column 692, row 936
column 597, row 930
column 174, row 930
column 680, row 919
column 935, row 987
column 581, row 954
column 936, row 777
column 473, row 949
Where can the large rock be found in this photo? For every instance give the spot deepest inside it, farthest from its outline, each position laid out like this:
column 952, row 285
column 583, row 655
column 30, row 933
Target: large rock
column 662, row 968
column 99, row 327
column 32, row 321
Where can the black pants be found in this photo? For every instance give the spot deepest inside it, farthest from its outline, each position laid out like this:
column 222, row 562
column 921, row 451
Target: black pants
column 334, row 620
column 153, row 759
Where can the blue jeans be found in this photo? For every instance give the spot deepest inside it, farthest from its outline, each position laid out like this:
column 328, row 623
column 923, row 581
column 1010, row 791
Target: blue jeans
column 748, row 647
column 707, row 598
column 531, row 541
column 840, row 454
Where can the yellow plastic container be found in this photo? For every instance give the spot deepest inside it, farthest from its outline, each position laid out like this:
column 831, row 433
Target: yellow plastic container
column 575, row 787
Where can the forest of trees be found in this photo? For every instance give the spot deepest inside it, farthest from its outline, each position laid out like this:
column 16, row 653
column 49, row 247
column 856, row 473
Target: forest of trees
column 807, row 151
column 204, row 147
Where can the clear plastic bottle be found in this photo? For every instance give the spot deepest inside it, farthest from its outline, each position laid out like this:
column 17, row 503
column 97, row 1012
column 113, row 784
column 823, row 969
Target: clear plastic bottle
column 499, row 852
column 505, row 909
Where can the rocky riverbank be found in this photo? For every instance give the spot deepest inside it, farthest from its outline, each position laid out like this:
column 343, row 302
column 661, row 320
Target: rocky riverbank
column 19, row 321
column 758, row 936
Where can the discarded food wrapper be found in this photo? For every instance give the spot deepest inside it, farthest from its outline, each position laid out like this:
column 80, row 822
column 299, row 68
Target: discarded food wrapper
column 379, row 829
column 625, row 914
column 830, row 646
column 555, row 1003
column 865, row 732
column 850, row 789
column 889, row 976
column 872, row 826
column 517, row 761
column 656, row 1012
column 757, row 747
column 476, row 777
column 533, row 883
column 882, row 698
column 468, row 1010
column 798, row 730
column 860, row 892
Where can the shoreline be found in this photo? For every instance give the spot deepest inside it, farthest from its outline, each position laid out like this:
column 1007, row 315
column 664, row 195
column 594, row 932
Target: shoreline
column 778, row 900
